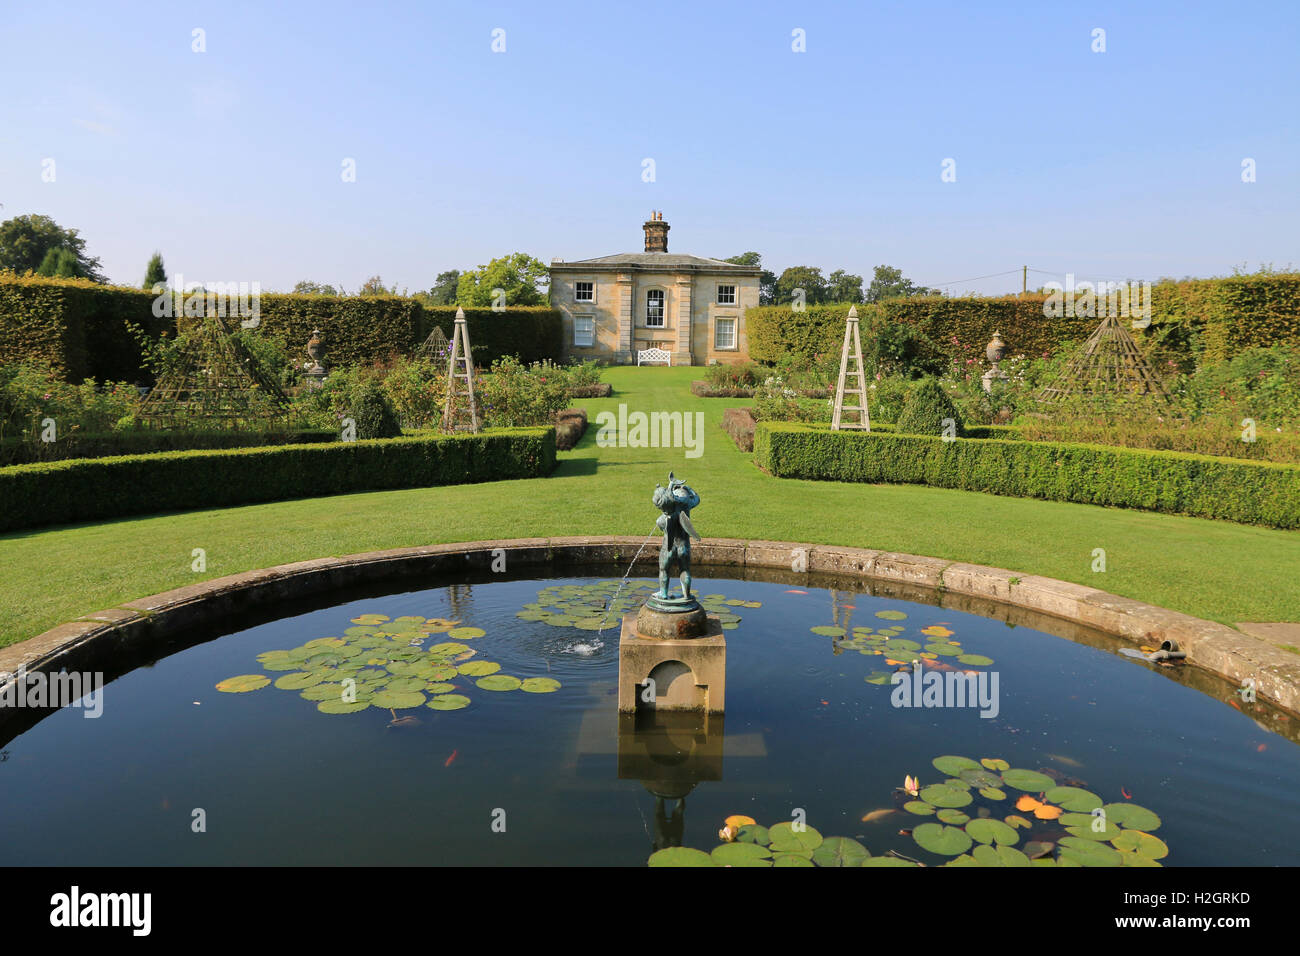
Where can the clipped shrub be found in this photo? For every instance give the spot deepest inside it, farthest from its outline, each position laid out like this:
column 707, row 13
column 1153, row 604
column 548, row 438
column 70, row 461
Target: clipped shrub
column 373, row 413
column 739, row 424
column 1250, row 492
column 598, row 390
column 529, row 333
column 98, row 488
column 928, row 410
column 147, row 441
column 570, row 426
column 704, row 389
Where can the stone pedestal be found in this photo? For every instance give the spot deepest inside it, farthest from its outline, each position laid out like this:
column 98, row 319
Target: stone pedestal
column 689, row 673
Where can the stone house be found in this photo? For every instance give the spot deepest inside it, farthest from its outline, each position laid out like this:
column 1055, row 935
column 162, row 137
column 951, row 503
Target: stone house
column 691, row 307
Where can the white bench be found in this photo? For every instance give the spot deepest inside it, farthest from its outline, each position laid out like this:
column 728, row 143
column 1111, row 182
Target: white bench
column 654, row 355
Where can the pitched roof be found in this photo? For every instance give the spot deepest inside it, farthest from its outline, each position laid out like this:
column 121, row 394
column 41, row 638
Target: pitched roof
column 654, row 262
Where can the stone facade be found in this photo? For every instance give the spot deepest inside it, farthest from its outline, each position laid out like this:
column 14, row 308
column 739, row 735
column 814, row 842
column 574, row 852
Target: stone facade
column 691, row 307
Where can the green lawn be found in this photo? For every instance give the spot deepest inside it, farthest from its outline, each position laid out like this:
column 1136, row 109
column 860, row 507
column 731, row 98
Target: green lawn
column 1217, row 570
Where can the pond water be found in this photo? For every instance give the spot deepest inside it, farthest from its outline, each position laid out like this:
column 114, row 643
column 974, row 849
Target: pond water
column 546, row 773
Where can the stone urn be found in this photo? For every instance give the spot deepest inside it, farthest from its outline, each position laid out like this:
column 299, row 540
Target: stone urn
column 316, row 352
column 996, row 349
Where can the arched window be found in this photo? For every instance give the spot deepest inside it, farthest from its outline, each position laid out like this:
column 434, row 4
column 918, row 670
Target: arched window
column 654, row 309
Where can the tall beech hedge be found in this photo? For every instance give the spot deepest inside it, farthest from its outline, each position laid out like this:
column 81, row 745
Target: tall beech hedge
column 1217, row 317
column 79, row 327
column 1250, row 492
column 87, row 489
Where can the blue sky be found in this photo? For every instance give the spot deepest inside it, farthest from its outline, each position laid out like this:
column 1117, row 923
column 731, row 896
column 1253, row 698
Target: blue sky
column 1119, row 164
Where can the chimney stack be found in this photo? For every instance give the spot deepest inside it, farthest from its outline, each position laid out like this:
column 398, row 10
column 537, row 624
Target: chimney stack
column 656, row 233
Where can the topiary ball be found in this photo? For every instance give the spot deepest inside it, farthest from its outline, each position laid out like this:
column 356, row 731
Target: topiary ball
column 373, row 413
column 925, row 409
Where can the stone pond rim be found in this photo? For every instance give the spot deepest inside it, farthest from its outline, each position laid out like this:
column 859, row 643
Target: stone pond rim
column 135, row 627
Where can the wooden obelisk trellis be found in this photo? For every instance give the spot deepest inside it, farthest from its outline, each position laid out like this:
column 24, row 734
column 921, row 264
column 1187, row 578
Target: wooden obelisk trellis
column 462, row 407
column 1109, row 363
column 851, row 368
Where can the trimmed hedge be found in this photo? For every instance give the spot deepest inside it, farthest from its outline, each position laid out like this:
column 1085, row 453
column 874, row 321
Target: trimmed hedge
column 598, row 390
column 532, row 332
column 87, row 489
column 75, row 325
column 1262, row 493
column 570, row 426
column 1217, row 318
column 19, row 451
column 79, row 327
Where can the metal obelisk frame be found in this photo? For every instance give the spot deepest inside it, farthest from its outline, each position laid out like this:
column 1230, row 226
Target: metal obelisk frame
column 461, row 413
column 851, row 355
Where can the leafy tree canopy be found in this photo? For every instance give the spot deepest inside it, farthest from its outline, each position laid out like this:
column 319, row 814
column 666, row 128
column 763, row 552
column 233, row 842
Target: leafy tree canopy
column 888, row 283
column 25, row 241
column 154, row 273
column 308, row 287
column 766, row 279
column 807, row 278
column 524, row 279
column 444, row 288
column 842, row 287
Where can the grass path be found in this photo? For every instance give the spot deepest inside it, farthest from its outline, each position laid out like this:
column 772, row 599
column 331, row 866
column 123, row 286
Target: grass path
column 1217, row 570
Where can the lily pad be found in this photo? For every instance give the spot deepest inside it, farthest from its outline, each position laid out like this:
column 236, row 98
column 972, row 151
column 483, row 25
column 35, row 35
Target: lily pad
column 840, row 851
column 1031, row 781
column 466, row 633
column 741, row 854
column 954, row 817
column 243, row 683
column 680, row 856
column 943, row 795
column 1088, row 852
column 754, row 833
column 919, row 807
column 953, row 766
column 791, row 859
column 1144, row 844
column 974, row 660
column 499, row 682
column 397, row 700
column 448, row 702
column 786, row 838
column 1132, row 816
column 941, row 839
column 479, row 668
column 892, row 615
column 341, row 706
column 990, row 831
column 447, row 649
column 540, row 685
column 299, row 680
column 827, row 630
column 1073, row 799
column 993, row 793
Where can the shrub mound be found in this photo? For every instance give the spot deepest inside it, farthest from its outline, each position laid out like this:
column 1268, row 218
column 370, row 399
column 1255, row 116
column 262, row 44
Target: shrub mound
column 739, row 424
column 929, row 411
column 374, row 413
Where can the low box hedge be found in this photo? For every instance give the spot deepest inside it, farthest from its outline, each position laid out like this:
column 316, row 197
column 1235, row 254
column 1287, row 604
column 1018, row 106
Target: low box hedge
column 739, row 424
column 1250, row 492
column 18, row 451
column 87, row 489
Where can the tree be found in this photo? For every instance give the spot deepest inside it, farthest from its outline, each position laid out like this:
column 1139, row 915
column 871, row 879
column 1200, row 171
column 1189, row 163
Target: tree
column 766, row 279
column 375, row 286
column 155, row 273
column 60, row 263
column 308, row 287
column 807, row 278
column 888, row 283
column 523, row 279
column 26, row 240
column 444, row 288
column 842, row 287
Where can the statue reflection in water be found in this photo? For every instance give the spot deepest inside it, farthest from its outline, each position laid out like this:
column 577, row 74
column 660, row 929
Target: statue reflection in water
column 669, row 753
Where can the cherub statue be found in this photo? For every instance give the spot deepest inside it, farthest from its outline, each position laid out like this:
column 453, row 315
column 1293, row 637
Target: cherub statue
column 676, row 502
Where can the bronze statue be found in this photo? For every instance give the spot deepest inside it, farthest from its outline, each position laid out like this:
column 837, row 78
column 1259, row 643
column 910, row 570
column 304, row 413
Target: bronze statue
column 676, row 502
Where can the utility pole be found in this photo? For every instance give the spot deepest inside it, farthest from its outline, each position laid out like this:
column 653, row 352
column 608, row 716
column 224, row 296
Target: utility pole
column 1024, row 279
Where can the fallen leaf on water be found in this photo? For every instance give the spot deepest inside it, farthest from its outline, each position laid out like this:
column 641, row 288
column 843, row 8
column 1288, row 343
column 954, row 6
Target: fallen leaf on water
column 936, row 630
column 1044, row 811
column 738, row 820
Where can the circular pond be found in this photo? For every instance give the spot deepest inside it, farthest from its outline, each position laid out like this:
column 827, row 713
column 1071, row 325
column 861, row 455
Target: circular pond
column 477, row 724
